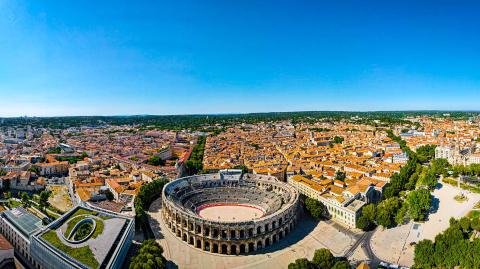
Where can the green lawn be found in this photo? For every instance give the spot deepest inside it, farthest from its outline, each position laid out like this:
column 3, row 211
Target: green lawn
column 473, row 214
column 464, row 186
column 83, row 254
column 74, row 221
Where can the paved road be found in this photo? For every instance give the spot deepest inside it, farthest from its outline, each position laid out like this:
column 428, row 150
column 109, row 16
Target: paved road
column 364, row 242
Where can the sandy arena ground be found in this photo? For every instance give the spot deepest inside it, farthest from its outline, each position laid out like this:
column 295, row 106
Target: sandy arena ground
column 308, row 236
column 230, row 212
column 393, row 245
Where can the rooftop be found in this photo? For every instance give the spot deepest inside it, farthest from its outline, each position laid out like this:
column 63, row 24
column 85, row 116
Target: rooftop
column 24, row 221
column 95, row 250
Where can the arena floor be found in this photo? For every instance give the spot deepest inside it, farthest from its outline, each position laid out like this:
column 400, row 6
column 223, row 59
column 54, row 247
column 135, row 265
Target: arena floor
column 230, row 212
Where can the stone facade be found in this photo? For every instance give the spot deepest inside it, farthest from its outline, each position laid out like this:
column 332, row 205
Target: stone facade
column 230, row 237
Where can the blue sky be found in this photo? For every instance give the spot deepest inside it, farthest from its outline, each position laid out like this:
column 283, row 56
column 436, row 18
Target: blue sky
column 186, row 57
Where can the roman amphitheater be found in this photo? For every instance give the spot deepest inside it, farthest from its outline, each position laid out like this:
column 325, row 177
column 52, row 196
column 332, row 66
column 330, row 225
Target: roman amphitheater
column 229, row 212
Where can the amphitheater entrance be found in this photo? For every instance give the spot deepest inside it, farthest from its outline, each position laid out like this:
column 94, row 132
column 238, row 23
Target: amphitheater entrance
column 215, row 248
column 267, row 242
column 224, row 249
column 251, row 247
column 233, row 249
column 242, row 249
column 207, row 246
column 259, row 244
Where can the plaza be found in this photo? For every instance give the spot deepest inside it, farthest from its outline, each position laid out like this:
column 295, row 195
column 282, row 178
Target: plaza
column 394, row 245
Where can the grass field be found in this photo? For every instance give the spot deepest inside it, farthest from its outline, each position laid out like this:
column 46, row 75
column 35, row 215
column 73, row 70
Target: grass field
column 82, row 254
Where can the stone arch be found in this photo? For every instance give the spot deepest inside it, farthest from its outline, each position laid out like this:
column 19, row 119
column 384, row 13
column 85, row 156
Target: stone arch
column 243, row 249
column 191, row 241
column 259, row 244
column 199, row 243
column 184, row 237
column 215, row 247
column 267, row 242
column 233, row 249
column 251, row 246
column 224, row 249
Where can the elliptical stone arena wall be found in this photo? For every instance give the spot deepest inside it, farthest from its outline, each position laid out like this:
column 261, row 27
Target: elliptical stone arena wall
column 184, row 198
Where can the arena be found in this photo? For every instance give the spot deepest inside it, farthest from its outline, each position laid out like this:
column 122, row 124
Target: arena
column 229, row 212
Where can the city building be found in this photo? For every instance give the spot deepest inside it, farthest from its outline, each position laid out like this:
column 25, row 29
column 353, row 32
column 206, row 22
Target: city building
column 105, row 245
column 18, row 226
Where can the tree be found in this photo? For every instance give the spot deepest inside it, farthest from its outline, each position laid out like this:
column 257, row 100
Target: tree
column 465, row 223
column 2, row 172
column 43, row 201
column 34, row 169
column 149, row 256
column 475, row 224
column 301, row 264
column 427, row 178
column 366, row 221
column 316, row 209
column 25, row 199
column 419, row 202
column 424, row 254
column 341, row 265
column 426, row 153
column 155, row 161
column 338, row 140
column 387, row 210
column 323, row 259
column 402, row 215
column 440, row 166
column 339, row 175
column 109, row 195
column 244, row 168
column 148, row 192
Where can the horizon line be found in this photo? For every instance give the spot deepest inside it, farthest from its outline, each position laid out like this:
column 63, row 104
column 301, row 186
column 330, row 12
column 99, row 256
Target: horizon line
column 247, row 113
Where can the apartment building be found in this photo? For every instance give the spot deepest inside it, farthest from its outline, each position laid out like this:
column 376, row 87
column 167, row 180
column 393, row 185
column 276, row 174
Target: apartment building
column 343, row 204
